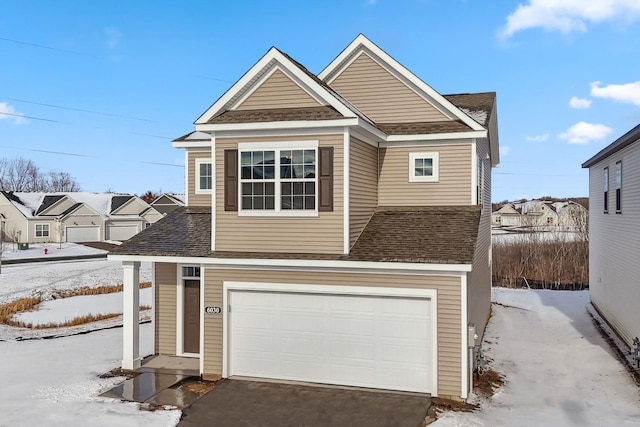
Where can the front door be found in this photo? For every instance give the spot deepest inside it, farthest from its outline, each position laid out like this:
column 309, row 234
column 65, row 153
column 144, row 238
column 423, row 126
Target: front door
column 191, row 316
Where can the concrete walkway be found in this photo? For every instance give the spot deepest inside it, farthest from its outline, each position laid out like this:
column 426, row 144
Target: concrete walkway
column 237, row 403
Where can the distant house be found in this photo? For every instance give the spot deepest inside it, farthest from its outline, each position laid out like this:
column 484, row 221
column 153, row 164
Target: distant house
column 541, row 215
column 166, row 202
column 614, row 240
column 74, row 216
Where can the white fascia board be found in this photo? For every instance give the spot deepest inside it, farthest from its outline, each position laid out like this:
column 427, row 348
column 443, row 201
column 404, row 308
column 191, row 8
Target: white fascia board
column 299, row 264
column 433, row 136
column 348, row 121
column 402, row 71
column 191, row 144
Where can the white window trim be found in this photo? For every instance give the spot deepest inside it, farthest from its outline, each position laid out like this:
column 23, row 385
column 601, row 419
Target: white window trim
column 199, row 190
column 424, row 155
column 275, row 146
column 43, row 224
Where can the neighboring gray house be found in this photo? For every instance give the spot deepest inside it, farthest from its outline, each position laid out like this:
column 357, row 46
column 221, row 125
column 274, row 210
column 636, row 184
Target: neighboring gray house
column 168, row 202
column 542, row 215
column 614, row 233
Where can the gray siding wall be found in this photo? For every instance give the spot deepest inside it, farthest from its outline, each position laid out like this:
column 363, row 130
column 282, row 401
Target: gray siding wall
column 363, row 183
column 453, row 187
column 479, row 280
column 278, row 91
column 319, row 234
column 165, row 307
column 381, row 96
column 448, row 287
column 614, row 243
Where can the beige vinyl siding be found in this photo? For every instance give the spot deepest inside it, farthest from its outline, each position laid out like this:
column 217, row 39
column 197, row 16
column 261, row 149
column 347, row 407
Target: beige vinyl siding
column 363, row 183
column 278, row 91
column 614, row 246
column 448, row 287
column 452, row 188
column 132, row 207
column 165, row 307
column 193, row 198
column 479, row 280
column 381, row 96
column 290, row 234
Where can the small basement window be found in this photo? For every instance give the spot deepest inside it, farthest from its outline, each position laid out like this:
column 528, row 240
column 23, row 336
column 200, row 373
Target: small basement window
column 424, row 167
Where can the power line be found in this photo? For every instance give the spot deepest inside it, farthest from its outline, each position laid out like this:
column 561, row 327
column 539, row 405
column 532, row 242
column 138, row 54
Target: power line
column 29, row 117
column 41, row 46
column 63, row 153
column 78, row 109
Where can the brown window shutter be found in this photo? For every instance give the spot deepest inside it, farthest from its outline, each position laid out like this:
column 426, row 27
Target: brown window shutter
column 325, row 179
column 230, row 180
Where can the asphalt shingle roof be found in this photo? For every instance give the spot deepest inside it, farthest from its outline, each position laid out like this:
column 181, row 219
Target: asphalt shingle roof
column 420, row 128
column 277, row 115
column 439, row 235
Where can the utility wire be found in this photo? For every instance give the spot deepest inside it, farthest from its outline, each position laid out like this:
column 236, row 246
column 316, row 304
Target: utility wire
column 45, row 47
column 78, row 109
column 29, row 117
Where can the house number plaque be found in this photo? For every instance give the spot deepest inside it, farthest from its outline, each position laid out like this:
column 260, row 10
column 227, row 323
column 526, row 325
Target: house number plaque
column 213, row 310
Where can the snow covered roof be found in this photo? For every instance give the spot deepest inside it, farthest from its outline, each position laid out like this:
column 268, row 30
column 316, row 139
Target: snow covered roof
column 30, row 204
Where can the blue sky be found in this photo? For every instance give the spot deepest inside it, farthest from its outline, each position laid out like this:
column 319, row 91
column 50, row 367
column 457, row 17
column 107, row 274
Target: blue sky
column 131, row 76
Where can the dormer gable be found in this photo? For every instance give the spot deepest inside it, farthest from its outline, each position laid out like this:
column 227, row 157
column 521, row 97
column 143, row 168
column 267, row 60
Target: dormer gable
column 364, row 75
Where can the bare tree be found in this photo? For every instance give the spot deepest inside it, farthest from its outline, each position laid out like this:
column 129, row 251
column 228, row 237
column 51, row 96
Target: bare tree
column 22, row 174
column 150, row 196
column 62, row 181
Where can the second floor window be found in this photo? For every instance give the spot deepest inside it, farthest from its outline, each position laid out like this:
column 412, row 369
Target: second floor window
column 42, row 230
column 278, row 180
column 204, row 176
column 424, row 167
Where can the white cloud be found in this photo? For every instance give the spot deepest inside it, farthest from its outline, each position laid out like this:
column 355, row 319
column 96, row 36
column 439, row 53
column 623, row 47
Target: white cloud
column 8, row 112
column 629, row 92
column 504, row 150
column 579, row 103
column 568, row 15
column 113, row 37
column 537, row 138
column 583, row 133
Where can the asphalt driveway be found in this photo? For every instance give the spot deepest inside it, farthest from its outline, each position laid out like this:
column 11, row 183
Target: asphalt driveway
column 236, row 403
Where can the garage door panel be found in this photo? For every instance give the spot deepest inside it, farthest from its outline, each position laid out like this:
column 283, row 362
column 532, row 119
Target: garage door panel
column 83, row 234
column 121, row 232
column 366, row 341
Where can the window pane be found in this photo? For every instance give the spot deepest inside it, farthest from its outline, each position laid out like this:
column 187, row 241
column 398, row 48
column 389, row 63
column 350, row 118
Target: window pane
column 246, row 172
column 258, row 172
column 258, row 202
column 286, row 202
column 285, row 188
column 418, row 171
column 269, row 157
column 257, row 158
column 298, row 202
column 269, row 202
column 246, row 189
column 428, row 171
column 309, row 171
column 258, row 189
column 269, row 172
column 246, row 202
column 298, row 171
column 245, row 158
column 298, row 157
column 309, row 157
column 298, row 188
column 309, row 188
column 428, row 162
column 418, row 164
column 310, row 202
column 269, row 188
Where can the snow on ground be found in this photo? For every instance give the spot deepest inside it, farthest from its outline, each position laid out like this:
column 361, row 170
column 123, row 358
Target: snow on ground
column 36, row 250
column 55, row 383
column 61, row 310
column 507, row 237
column 559, row 370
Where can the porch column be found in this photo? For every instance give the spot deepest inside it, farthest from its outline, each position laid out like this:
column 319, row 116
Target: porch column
column 131, row 315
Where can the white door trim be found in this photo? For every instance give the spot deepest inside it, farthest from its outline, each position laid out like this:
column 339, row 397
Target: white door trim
column 431, row 294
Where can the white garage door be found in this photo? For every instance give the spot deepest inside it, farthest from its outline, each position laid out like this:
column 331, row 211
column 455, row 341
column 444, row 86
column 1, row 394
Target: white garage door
column 83, row 234
column 121, row 232
column 364, row 341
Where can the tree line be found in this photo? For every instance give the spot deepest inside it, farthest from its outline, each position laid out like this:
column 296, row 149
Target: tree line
column 20, row 174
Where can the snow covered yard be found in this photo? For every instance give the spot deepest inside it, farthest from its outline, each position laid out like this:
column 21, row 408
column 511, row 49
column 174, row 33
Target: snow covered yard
column 559, row 370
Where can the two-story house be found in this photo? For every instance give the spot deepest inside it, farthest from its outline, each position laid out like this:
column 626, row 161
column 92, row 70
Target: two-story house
column 336, row 230
column 614, row 242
